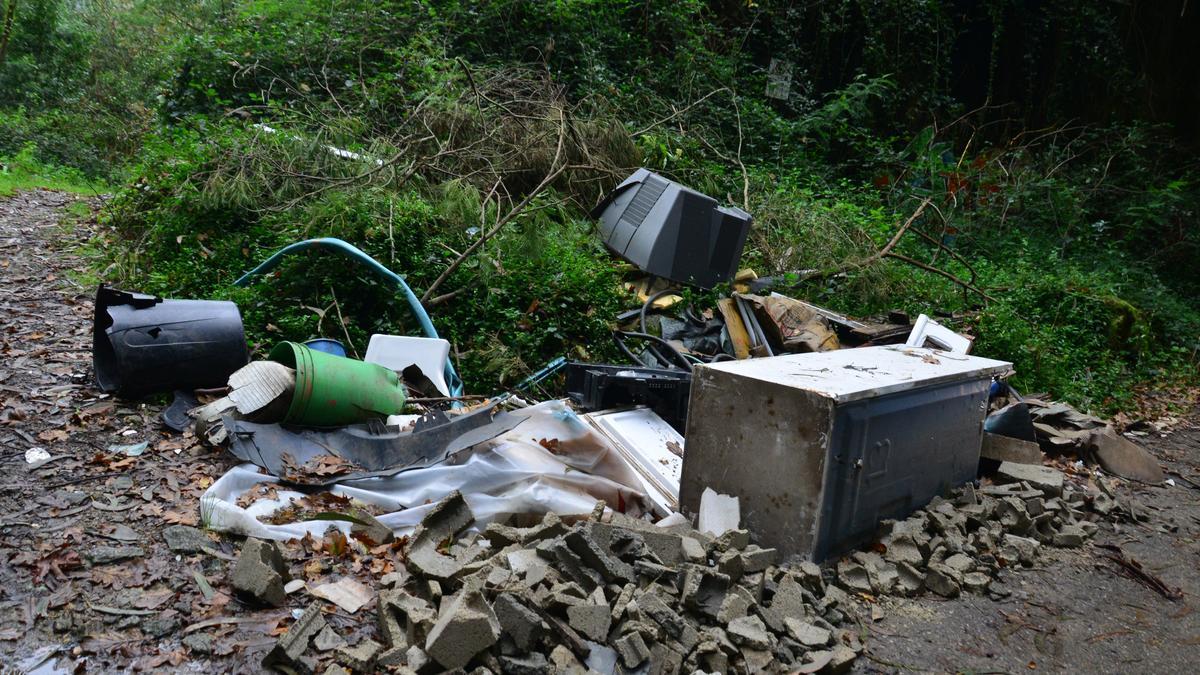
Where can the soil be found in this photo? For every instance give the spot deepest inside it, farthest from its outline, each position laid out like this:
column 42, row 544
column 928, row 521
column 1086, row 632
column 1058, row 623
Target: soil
column 63, row 608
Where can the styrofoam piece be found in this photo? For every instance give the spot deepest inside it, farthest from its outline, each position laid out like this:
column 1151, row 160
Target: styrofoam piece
column 397, row 352
column 718, row 513
column 927, row 330
column 512, row 474
column 645, row 440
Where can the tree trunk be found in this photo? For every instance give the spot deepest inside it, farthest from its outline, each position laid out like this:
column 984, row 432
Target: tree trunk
column 9, row 15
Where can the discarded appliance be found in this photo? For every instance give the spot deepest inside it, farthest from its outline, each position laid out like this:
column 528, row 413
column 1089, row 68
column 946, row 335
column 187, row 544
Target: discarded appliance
column 144, row 344
column 401, row 352
column 332, row 390
column 651, row 446
column 928, row 333
column 820, row 447
column 672, row 231
column 601, row 387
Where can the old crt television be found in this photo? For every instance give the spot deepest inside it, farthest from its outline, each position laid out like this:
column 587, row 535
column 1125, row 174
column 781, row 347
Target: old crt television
column 672, row 231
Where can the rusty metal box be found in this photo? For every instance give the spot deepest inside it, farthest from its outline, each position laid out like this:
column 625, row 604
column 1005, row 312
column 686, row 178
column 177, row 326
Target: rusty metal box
column 820, row 447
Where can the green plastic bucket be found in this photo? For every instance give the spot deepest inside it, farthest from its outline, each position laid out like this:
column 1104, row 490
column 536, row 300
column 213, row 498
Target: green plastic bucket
column 334, row 390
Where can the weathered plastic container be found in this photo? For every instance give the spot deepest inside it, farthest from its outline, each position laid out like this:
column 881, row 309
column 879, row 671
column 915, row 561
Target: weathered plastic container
column 333, row 390
column 143, row 344
column 820, row 447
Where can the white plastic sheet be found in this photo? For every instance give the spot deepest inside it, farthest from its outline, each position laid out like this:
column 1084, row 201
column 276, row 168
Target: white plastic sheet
column 515, row 473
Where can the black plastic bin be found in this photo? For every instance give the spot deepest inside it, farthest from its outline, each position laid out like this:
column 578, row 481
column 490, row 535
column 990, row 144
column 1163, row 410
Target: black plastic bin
column 143, row 344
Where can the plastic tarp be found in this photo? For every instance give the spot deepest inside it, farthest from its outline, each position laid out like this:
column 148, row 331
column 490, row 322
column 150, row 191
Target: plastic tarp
column 552, row 462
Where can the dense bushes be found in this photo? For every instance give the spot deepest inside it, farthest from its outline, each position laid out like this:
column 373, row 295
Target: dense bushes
column 1066, row 247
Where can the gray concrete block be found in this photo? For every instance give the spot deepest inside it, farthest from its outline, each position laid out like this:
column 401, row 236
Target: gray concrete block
column 591, row 621
column 260, row 573
column 289, row 650
column 449, row 517
column 465, row 627
column 518, row 621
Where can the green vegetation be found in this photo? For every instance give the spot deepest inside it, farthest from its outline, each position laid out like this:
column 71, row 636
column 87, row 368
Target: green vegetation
column 1058, row 166
column 23, row 171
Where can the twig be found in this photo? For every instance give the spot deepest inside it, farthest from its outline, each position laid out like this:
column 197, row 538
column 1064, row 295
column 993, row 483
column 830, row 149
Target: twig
column 342, row 320
column 929, row 268
column 681, row 111
column 1134, row 570
column 76, row 481
column 513, row 213
column 878, row 255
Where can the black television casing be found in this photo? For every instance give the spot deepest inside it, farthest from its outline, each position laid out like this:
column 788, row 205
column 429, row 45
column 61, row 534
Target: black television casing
column 672, row 231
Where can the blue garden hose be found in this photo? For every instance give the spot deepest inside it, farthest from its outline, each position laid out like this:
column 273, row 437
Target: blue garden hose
column 418, row 310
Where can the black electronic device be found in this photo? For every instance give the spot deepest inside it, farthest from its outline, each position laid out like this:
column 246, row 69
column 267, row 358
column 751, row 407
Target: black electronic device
column 672, row 231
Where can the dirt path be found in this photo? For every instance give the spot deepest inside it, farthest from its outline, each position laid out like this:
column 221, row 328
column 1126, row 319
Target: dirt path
column 89, row 581
column 87, row 577
column 1074, row 612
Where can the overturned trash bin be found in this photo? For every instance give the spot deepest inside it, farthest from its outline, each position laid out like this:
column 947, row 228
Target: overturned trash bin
column 820, row 447
column 143, row 344
column 333, row 390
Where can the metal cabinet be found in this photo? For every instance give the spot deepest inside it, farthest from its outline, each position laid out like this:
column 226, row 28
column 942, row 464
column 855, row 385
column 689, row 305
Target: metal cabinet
column 820, row 447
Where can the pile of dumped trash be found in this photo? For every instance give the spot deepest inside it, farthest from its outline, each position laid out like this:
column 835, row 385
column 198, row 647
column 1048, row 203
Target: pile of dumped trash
column 672, row 516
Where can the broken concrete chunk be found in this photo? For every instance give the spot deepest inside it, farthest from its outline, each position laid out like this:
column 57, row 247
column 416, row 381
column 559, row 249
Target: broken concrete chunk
column 260, row 573
column 737, row 603
column 704, row 590
column 942, row 580
column 902, row 547
column 592, row 621
column 976, row 582
column 465, row 626
column 855, row 577
column 370, row 529
column 449, row 517
column 529, row 664
column 1007, row 449
column 361, row 657
column 749, row 631
column 910, row 580
column 328, row 640
column 693, row 550
column 807, row 634
column 755, row 559
column 1049, row 481
column 1019, row 549
column 564, row 662
column 1070, row 536
column 518, row 622
column 404, row 619
column 788, row 601
column 289, row 652
column 611, row 568
column 633, row 650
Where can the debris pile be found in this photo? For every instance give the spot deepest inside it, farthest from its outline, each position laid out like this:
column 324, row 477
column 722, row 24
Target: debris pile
column 597, row 594
column 963, row 543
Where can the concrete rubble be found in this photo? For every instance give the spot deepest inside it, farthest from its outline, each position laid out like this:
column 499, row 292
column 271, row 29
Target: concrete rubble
column 963, row 545
column 260, row 573
column 610, row 593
